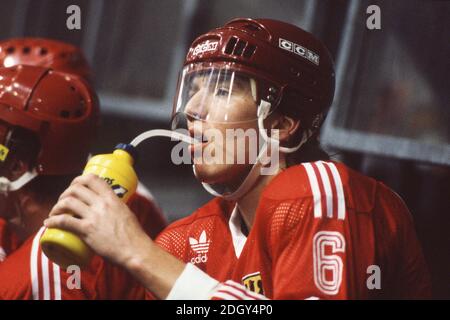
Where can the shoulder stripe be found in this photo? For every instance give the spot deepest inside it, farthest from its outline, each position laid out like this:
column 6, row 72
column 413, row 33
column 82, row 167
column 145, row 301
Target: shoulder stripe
column 339, row 190
column 327, row 187
column 315, row 190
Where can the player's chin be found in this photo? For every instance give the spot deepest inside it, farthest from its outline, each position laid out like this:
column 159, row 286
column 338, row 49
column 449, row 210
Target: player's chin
column 228, row 174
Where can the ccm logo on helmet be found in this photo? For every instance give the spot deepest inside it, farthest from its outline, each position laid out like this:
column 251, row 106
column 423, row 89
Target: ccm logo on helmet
column 299, row 50
column 205, row 46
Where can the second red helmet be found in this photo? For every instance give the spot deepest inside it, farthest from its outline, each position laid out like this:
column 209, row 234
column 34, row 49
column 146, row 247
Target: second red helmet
column 60, row 108
column 45, row 53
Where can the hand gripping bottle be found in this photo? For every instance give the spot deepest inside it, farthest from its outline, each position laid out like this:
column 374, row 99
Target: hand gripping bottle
column 63, row 247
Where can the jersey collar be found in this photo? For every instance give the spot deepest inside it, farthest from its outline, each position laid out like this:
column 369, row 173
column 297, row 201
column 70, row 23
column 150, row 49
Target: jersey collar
column 238, row 237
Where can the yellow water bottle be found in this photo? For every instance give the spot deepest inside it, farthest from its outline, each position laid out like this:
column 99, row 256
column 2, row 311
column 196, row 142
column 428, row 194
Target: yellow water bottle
column 63, row 247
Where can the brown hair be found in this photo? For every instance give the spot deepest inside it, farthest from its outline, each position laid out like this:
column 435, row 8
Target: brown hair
column 311, row 150
column 25, row 146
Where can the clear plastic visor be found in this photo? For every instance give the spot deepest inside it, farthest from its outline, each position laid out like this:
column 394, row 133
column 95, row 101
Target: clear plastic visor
column 216, row 94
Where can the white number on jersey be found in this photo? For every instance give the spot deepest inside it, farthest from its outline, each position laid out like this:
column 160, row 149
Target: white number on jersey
column 328, row 264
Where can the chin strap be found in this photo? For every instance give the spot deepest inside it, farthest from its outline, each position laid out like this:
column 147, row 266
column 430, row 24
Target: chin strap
column 7, row 186
column 254, row 174
column 245, row 186
column 263, row 112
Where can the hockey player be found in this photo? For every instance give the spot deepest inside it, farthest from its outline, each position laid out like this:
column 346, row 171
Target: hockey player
column 65, row 57
column 30, row 188
column 313, row 228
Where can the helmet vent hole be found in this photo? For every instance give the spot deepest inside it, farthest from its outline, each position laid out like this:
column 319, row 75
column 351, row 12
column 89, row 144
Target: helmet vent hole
column 64, row 114
column 43, row 51
column 72, row 88
column 26, row 50
column 10, row 50
column 230, row 45
column 78, row 113
column 240, row 46
column 252, row 27
column 249, row 51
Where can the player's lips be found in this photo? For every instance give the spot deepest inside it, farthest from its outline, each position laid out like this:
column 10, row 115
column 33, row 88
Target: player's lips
column 198, row 146
column 202, row 141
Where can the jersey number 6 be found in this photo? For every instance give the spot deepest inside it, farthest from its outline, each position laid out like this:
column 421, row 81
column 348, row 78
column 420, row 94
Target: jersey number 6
column 328, row 267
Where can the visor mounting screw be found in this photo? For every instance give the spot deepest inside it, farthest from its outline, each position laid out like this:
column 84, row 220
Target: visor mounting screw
column 272, row 90
column 270, row 98
column 295, row 72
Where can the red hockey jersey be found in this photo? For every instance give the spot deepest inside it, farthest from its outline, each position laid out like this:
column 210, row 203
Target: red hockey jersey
column 27, row 274
column 9, row 242
column 321, row 230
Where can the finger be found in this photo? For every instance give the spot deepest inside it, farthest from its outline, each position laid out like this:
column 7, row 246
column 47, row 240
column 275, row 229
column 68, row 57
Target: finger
column 76, row 180
column 72, row 206
column 81, row 193
column 66, row 222
column 95, row 183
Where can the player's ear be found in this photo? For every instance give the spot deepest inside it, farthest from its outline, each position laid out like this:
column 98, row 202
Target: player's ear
column 17, row 167
column 286, row 125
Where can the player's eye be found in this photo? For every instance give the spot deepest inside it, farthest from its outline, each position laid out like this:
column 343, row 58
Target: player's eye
column 222, row 92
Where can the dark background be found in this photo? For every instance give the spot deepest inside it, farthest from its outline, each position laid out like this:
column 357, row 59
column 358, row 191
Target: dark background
column 390, row 116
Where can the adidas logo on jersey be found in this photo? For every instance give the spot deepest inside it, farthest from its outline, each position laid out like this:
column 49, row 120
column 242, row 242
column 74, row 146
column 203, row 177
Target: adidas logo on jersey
column 2, row 254
column 200, row 247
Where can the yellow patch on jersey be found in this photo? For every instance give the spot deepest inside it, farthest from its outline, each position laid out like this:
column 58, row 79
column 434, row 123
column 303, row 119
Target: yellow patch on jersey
column 253, row 282
column 3, row 152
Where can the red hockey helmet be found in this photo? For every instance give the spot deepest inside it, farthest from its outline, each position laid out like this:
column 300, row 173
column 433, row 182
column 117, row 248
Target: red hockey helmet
column 60, row 108
column 46, row 53
column 293, row 70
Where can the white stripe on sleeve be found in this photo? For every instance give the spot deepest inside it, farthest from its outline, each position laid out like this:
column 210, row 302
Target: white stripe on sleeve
column 315, row 190
column 327, row 188
column 45, row 276
column 56, row 281
column 34, row 264
column 339, row 190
